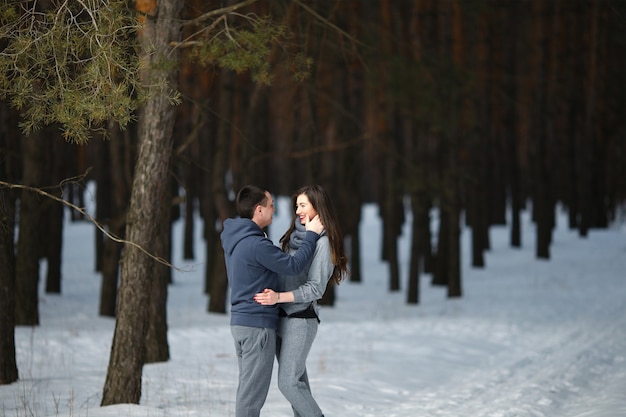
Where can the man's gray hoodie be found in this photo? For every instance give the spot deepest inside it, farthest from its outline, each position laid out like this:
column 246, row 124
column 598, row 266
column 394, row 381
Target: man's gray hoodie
column 252, row 265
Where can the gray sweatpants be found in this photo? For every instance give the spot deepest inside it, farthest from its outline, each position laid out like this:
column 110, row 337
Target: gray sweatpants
column 255, row 349
column 295, row 337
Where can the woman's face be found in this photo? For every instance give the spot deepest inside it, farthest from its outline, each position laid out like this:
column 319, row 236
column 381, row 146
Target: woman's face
column 304, row 208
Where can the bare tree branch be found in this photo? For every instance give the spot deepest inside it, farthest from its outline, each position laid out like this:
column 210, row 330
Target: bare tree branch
column 217, row 12
column 327, row 22
column 82, row 211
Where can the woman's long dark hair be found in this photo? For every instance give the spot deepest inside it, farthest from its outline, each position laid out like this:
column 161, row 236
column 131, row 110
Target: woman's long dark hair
column 319, row 199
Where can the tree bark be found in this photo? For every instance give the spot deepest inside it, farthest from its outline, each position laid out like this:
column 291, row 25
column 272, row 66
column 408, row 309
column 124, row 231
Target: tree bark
column 219, row 282
column 28, row 244
column 105, row 188
column 392, row 214
column 191, row 195
column 510, row 123
column 418, row 251
column 441, row 274
column 542, row 198
column 8, row 364
column 453, row 167
column 111, row 255
column 454, row 250
column 54, row 212
column 150, row 184
column 157, row 349
column 114, row 180
column 8, row 171
column 586, row 143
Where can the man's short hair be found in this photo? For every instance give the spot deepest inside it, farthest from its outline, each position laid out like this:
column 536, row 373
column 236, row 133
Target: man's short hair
column 248, row 198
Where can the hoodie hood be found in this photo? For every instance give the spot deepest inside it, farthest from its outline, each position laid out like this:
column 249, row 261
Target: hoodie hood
column 235, row 230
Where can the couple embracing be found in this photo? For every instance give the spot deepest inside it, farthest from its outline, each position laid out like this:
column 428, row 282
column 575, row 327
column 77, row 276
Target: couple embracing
column 274, row 292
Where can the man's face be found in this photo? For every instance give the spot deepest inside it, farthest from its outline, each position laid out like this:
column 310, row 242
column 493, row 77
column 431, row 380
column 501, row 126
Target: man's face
column 267, row 211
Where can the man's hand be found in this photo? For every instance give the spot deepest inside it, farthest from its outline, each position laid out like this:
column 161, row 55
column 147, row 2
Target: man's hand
column 314, row 225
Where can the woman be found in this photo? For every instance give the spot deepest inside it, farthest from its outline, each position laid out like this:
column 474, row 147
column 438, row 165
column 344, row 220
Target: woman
column 298, row 296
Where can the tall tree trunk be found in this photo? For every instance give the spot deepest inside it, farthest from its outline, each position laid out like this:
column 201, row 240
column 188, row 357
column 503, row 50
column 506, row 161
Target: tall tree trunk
column 219, row 281
column 348, row 190
column 389, row 191
column 478, row 129
column 420, row 17
column 515, row 194
column 54, row 215
column 392, row 214
column 114, row 180
column 157, row 349
column 454, row 237
column 75, row 194
column 28, row 246
column 191, row 175
column 105, row 188
column 441, row 274
column 453, row 167
column 510, row 121
column 208, row 214
column 111, row 255
column 586, row 139
column 156, row 121
column 426, row 236
column 8, row 171
column 54, row 245
column 8, row 364
column 542, row 207
column 329, row 77
column 599, row 118
column 476, row 197
column 419, row 249
column 525, row 85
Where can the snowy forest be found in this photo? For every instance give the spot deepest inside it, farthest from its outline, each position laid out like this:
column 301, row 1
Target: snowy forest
column 482, row 109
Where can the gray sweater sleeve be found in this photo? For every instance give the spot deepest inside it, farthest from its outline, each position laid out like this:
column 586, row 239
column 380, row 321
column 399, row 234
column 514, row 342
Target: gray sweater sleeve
column 318, row 275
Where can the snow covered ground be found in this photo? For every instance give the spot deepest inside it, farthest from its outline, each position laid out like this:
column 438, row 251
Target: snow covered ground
column 528, row 338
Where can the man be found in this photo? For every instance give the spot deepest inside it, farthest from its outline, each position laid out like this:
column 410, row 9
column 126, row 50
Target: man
column 252, row 265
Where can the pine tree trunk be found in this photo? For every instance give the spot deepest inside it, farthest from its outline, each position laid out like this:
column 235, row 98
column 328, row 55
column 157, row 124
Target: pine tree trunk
column 28, row 245
column 510, row 122
column 8, row 364
column 191, row 195
column 417, row 251
column 392, row 220
column 111, row 255
column 516, row 203
column 441, row 272
column 157, row 349
column 54, row 245
column 452, row 165
column 587, row 139
column 8, row 172
column 542, row 205
column 208, row 214
column 355, row 251
column 219, row 281
column 105, row 187
column 114, row 180
column 454, row 251
column 426, row 236
column 54, row 216
column 156, row 121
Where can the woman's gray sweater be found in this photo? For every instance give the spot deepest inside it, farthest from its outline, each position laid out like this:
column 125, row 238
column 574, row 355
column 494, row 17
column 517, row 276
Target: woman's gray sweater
column 310, row 284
